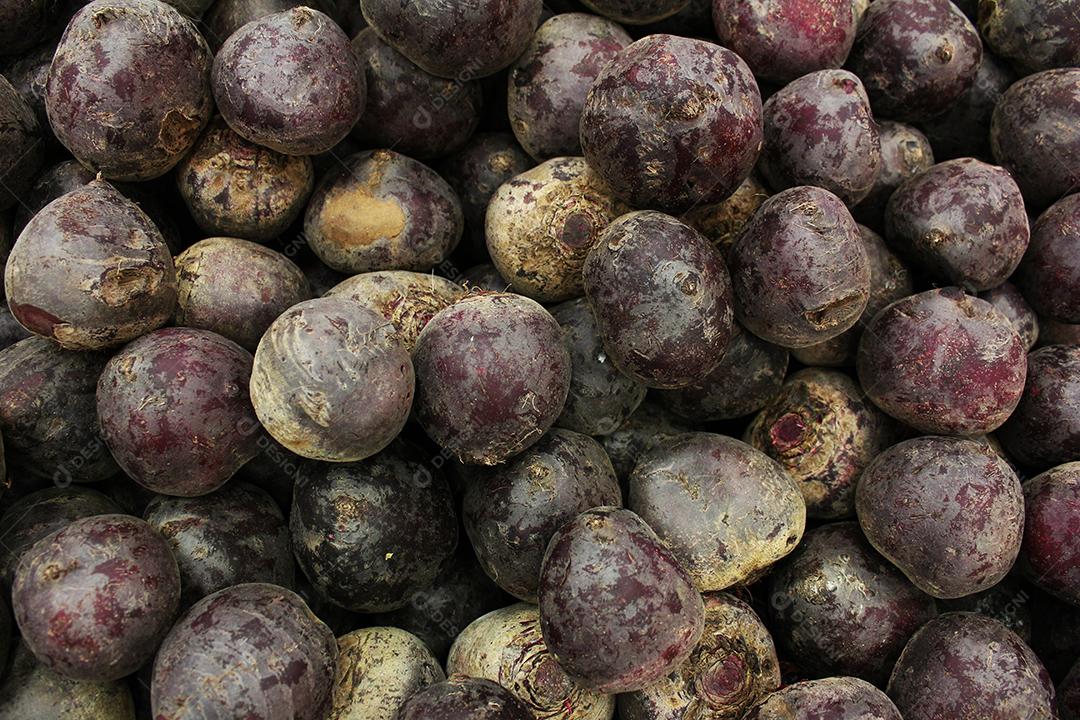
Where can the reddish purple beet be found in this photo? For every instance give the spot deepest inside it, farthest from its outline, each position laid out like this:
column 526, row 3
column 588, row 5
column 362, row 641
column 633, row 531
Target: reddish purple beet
column 617, row 610
column 964, row 130
column 1034, row 35
column 1044, row 430
column 835, row 698
column 278, row 657
column 21, row 150
column 1008, row 300
column 672, row 123
column 948, row 512
column 905, row 152
column 133, row 64
column 1050, row 555
column 1049, row 274
column 290, row 81
column 943, row 362
column 94, row 599
column 464, row 698
column 635, row 12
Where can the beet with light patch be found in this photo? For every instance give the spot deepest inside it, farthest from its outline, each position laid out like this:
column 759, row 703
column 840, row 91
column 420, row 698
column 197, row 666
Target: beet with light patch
column 1033, row 35
column 1011, row 303
column 837, row 698
column 905, row 152
column 723, row 221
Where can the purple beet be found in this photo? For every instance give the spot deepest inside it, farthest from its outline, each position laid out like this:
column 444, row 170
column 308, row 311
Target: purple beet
column 1045, row 428
column 1034, row 35
column 1049, row 274
column 905, row 152
column 1010, row 303
column 835, row 698
column 964, row 130
column 1050, row 555
column 464, row 698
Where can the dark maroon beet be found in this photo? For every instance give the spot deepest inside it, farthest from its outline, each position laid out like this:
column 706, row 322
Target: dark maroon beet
column 835, row 698
column 492, row 376
column 943, row 362
column 549, row 83
column 512, row 511
column 1050, row 555
column 227, row 16
column 905, row 152
column 1045, row 428
column 94, row 599
column 662, row 299
column 1049, row 274
column 175, row 411
column 915, row 57
column 132, row 64
column 964, row 130
column 1010, row 303
column 21, row 148
column 785, row 40
column 617, row 610
column 464, row 41
column 1034, row 135
column 635, row 12
column 948, row 512
column 799, row 271
column 290, row 81
column 48, row 412
column 1033, row 35
column 464, row 698
column 647, row 427
column 232, row 536
column 964, row 665
column 369, row 534
column 279, row 659
column 819, row 131
column 408, row 109
column 963, row 221
column 839, row 608
column 672, row 123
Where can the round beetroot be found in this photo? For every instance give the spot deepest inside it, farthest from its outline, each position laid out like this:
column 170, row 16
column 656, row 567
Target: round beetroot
column 94, row 599
column 379, row 668
column 1049, row 274
column 905, row 152
column 1010, row 303
column 464, row 698
column 1045, row 428
column 836, row 698
column 673, row 122
column 636, row 12
column 129, row 88
column 1050, row 555
column 1032, row 34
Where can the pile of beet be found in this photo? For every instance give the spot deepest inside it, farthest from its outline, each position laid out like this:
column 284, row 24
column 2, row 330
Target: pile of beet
column 501, row 360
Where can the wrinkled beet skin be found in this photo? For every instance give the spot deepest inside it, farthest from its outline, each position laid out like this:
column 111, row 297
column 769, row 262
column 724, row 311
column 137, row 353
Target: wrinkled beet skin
column 948, row 512
column 963, row 221
column 1050, row 555
column 1032, row 34
column 647, row 427
column 964, row 130
column 91, row 271
column 1034, row 135
column 235, row 535
column 837, row 698
column 131, row 64
column 48, row 412
column 946, row 672
column 943, row 362
column 661, row 295
column 279, row 659
column 819, row 131
column 839, row 608
column 380, row 210
column 369, row 534
column 635, row 12
column 290, row 81
column 512, row 511
column 799, row 271
column 492, row 376
column 905, row 152
column 94, row 599
column 460, row 40
column 416, row 113
column 672, row 123
column 21, row 148
column 1010, row 303
column 617, row 610
column 548, row 84
column 175, row 411
column 1049, row 274
column 915, row 57
column 463, row 698
column 305, row 385
column 1044, row 429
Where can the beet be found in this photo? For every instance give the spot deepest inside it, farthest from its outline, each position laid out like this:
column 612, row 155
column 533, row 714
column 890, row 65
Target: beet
column 408, row 109
column 662, row 299
column 506, row 646
column 1045, row 428
column 28, row 74
column 837, row 698
column 943, row 673
column 21, row 149
column 723, row 221
column 462, row 41
column 279, row 659
column 331, row 380
column 824, row 432
column 378, row 670
column 1050, row 555
column 915, row 57
column 1049, row 274
column 382, row 211
column 1010, row 303
column 673, row 122
column 948, row 512
column 133, row 64
column 290, row 81
column 542, row 223
column 733, row 665
column 648, row 427
column 1033, row 35
column 175, row 411
column 943, row 362
column 799, row 271
column 236, row 288
column 635, row 12
column 964, row 130
column 839, row 608
column 548, row 84
column 616, row 609
column 1034, row 136
column 464, row 698
column 492, row 376
column 91, row 271
column 905, row 152
column 94, row 599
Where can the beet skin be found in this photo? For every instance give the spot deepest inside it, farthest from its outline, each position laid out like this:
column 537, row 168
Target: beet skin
column 1044, row 429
